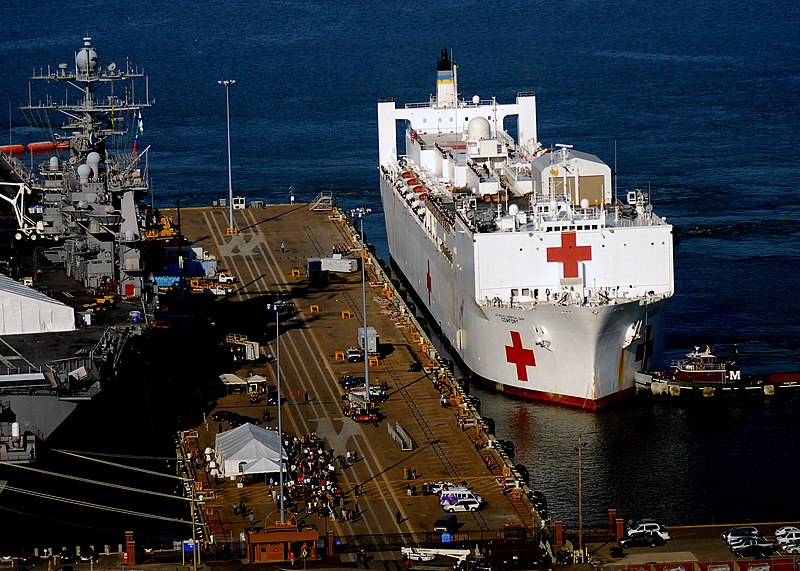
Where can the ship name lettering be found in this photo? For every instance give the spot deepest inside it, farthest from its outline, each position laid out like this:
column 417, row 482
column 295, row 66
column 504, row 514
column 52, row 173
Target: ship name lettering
column 509, row 318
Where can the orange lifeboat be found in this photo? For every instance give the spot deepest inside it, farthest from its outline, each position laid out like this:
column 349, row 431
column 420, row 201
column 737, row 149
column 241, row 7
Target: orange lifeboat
column 62, row 144
column 423, row 196
column 418, row 189
column 41, row 146
column 412, row 182
column 407, row 174
column 12, row 149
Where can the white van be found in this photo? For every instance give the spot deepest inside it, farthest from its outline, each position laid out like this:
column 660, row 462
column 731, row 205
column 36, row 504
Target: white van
column 453, row 495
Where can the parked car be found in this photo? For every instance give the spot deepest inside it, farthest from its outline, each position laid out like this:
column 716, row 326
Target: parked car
column 351, row 382
column 743, row 542
column 788, row 537
column 245, row 419
column 354, row 355
column 437, row 487
column 754, row 551
column 648, row 527
column 784, row 529
column 739, row 531
column 642, row 539
column 462, row 505
column 791, row 548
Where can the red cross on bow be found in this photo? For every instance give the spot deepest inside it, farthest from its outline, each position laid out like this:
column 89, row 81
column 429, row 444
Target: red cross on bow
column 428, row 282
column 569, row 254
column 521, row 357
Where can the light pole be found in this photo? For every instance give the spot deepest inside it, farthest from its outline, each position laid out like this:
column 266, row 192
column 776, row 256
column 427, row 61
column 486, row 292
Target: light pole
column 277, row 308
column 360, row 213
column 227, row 84
column 581, row 445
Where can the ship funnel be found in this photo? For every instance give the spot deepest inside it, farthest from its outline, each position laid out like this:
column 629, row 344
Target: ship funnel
column 446, row 81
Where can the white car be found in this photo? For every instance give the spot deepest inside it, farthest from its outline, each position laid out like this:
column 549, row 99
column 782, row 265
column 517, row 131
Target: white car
column 465, row 505
column 648, row 527
column 784, row 529
column 437, row 487
column 791, row 548
column 788, row 537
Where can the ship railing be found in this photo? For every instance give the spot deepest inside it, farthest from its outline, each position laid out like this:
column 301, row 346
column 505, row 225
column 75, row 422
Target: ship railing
column 704, row 367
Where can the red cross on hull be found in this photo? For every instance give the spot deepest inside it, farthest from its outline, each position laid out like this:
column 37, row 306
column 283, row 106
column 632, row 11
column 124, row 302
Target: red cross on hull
column 569, row 254
column 522, row 358
column 428, row 282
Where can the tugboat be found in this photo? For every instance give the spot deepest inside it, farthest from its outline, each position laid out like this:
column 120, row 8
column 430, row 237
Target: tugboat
column 705, row 373
column 705, row 369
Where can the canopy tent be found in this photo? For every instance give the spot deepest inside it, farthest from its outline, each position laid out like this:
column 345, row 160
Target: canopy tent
column 261, row 466
column 25, row 310
column 247, row 445
column 253, row 383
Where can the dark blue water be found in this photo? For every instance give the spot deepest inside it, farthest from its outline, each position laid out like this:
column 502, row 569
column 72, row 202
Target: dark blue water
column 699, row 97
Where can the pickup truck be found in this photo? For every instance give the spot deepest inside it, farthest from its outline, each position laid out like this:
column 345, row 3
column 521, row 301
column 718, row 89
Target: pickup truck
column 226, row 278
column 219, row 290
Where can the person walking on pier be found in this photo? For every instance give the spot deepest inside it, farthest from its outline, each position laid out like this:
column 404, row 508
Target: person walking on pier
column 398, row 517
column 283, row 248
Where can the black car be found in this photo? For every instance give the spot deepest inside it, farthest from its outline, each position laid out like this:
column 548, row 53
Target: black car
column 351, row 382
column 223, row 416
column 754, row 551
column 245, row 419
column 651, row 539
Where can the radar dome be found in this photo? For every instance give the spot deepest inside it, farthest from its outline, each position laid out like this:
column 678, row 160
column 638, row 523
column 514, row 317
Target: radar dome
column 478, row 128
column 54, row 163
column 84, row 171
column 93, row 159
column 513, row 210
column 584, row 203
column 476, row 99
column 86, row 59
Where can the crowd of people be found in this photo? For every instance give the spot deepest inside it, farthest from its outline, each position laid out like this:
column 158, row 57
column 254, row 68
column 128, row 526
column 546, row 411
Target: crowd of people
column 312, row 482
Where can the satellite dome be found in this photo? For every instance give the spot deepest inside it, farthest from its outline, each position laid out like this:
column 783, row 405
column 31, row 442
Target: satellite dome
column 84, row 171
column 513, row 210
column 584, row 203
column 86, row 59
column 93, row 159
column 476, row 99
column 478, row 128
column 54, row 163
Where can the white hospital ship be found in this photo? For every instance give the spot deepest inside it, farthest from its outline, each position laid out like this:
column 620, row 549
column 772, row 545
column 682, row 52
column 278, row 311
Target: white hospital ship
column 544, row 284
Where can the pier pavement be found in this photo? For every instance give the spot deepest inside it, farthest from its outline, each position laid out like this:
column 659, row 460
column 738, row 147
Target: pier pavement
column 269, row 257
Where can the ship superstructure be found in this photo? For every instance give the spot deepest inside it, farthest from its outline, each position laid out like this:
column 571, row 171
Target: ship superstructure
column 86, row 203
column 544, row 284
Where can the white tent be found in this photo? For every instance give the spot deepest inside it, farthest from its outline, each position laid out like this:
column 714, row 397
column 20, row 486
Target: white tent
column 248, row 449
column 25, row 310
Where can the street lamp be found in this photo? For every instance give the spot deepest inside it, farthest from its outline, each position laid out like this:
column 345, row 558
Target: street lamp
column 227, row 84
column 580, row 447
column 361, row 213
column 276, row 307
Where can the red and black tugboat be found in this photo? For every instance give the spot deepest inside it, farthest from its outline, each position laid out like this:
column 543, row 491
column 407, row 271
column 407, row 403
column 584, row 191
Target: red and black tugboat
column 703, row 368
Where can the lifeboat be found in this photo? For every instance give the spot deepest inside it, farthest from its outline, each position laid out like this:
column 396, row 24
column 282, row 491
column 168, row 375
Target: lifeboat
column 12, row 149
column 412, row 182
column 407, row 174
column 423, row 196
column 41, row 146
column 62, row 144
column 418, row 189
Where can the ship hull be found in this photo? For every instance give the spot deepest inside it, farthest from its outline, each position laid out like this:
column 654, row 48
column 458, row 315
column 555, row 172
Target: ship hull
column 583, row 356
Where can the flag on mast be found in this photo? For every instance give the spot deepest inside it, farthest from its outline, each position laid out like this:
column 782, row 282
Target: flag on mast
column 139, row 129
